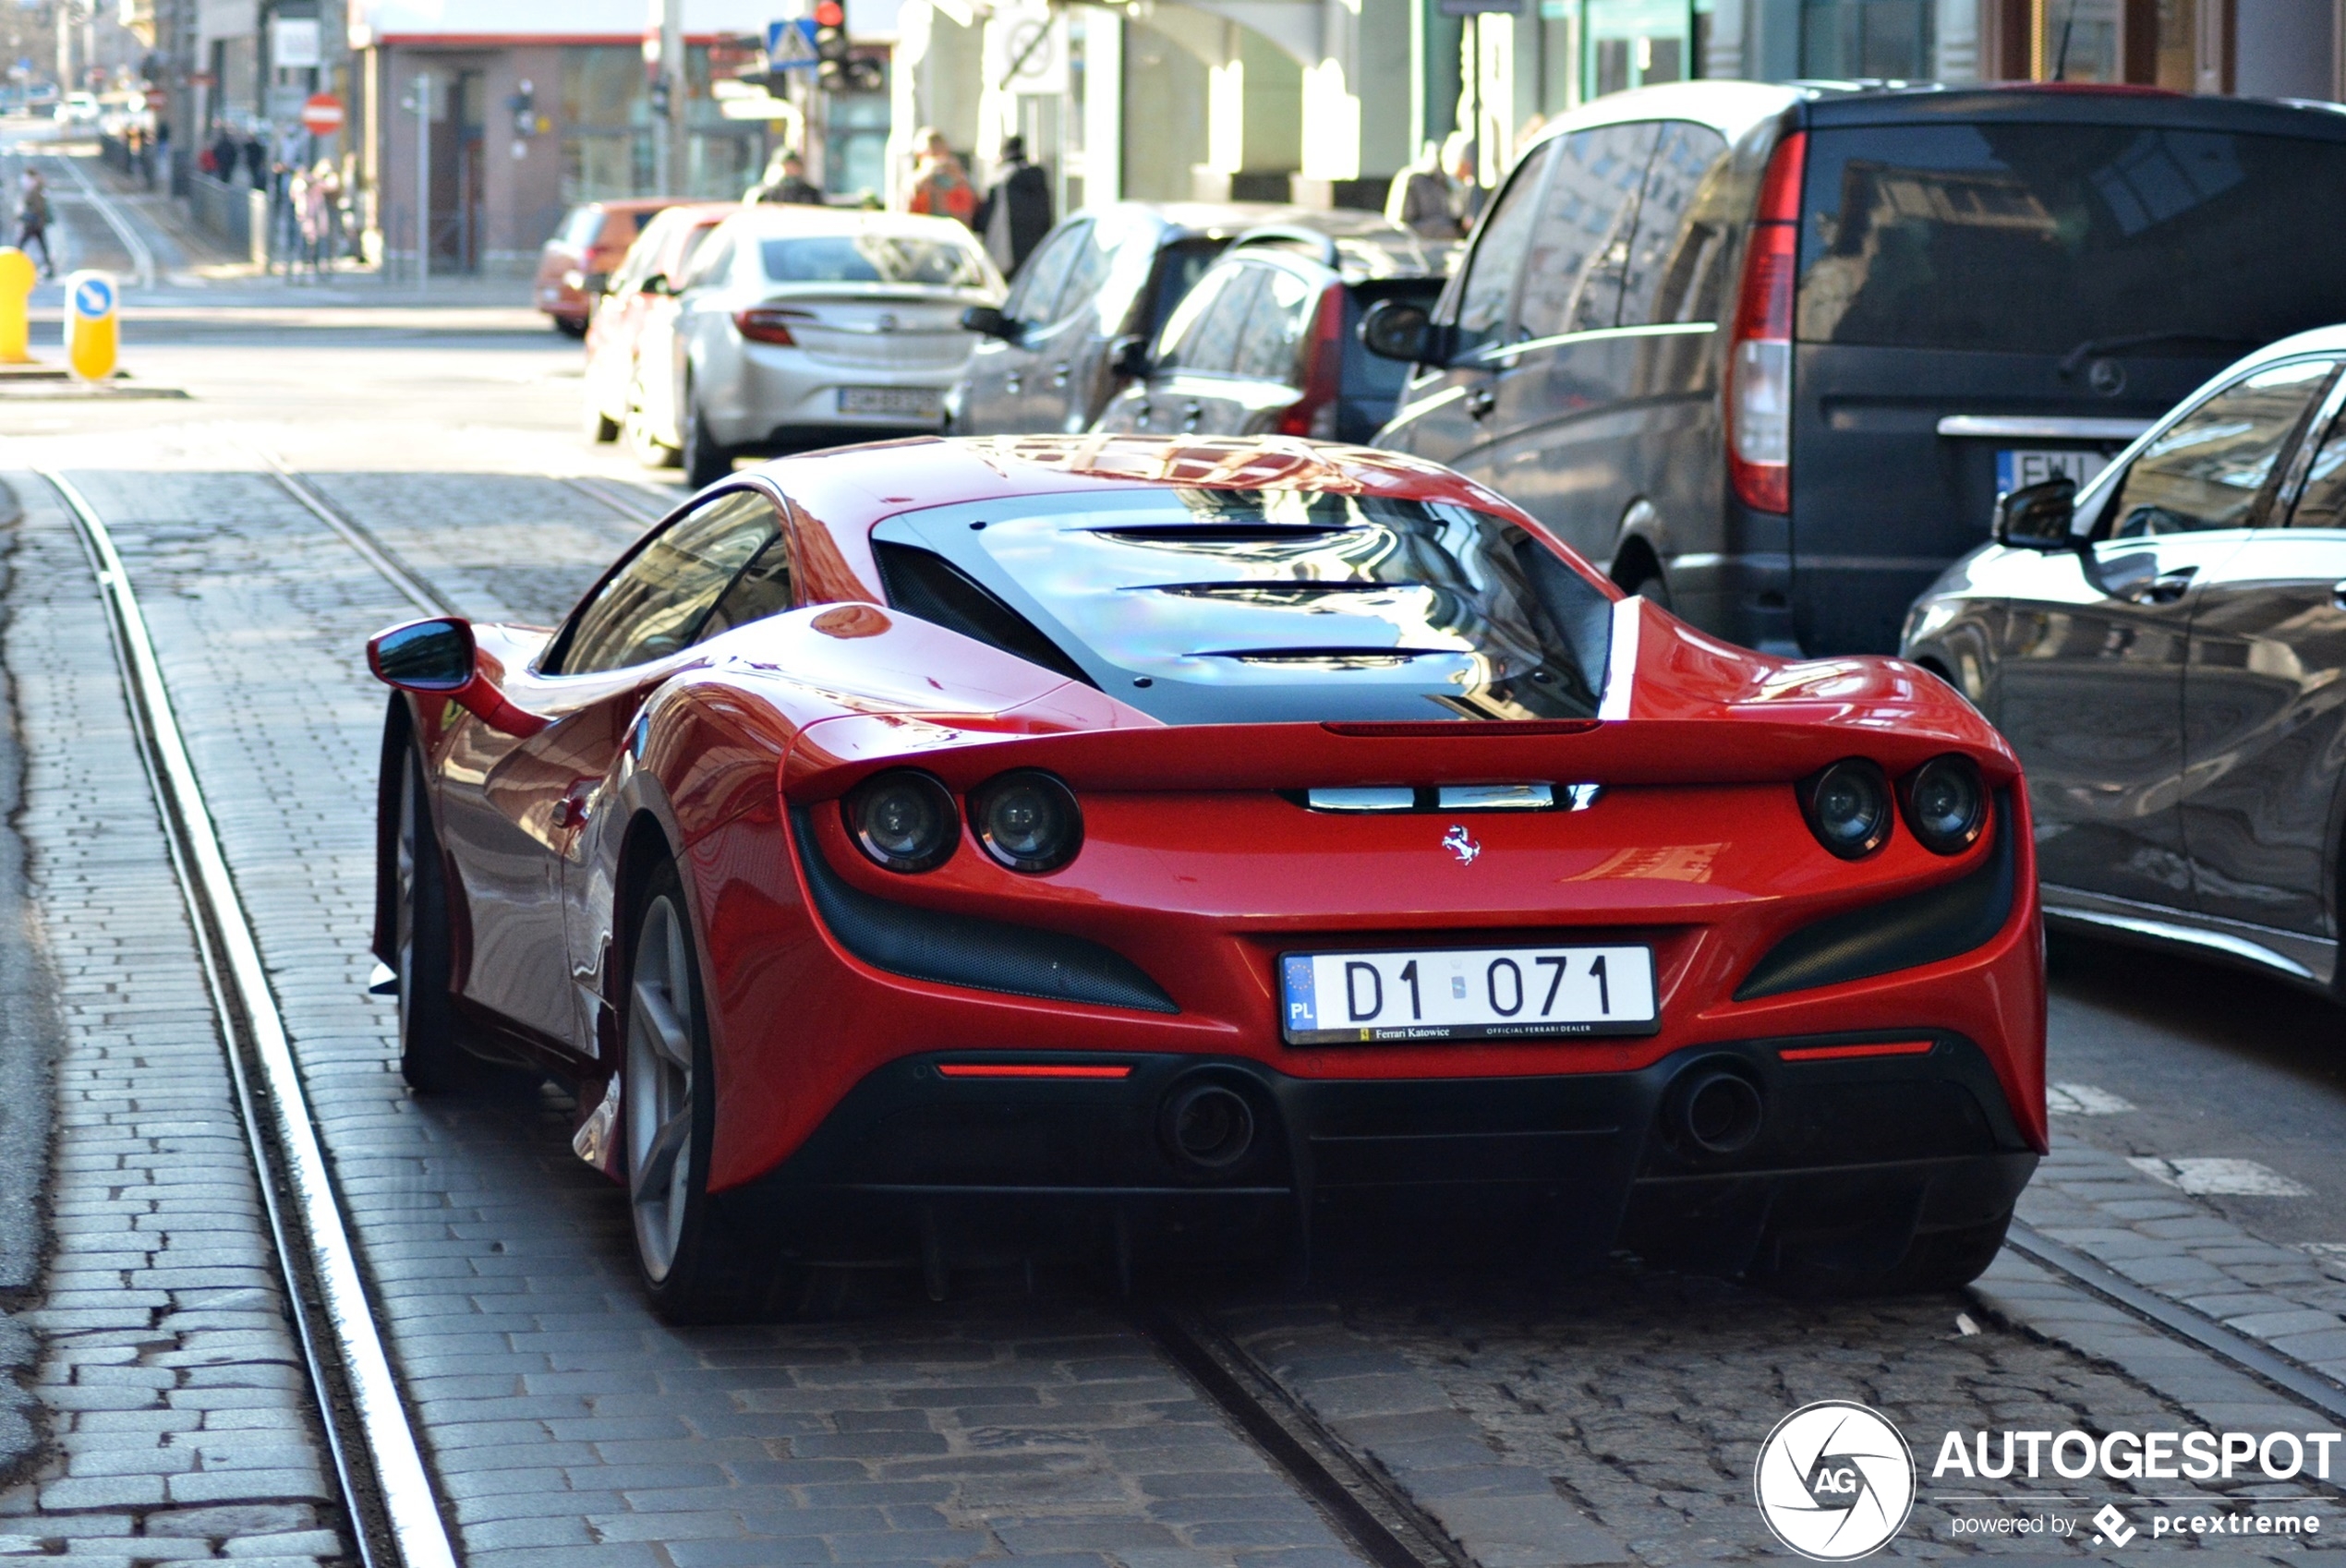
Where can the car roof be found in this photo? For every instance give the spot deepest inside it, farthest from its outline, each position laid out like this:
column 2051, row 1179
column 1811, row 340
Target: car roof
column 777, row 219
column 1735, row 108
column 1357, row 245
column 1189, row 220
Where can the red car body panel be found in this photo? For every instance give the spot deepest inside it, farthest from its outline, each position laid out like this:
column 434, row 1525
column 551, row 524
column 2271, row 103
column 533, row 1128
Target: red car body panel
column 1194, row 866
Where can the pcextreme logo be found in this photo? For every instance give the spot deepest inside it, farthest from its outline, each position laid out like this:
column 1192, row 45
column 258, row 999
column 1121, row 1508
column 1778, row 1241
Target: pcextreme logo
column 1835, row 1481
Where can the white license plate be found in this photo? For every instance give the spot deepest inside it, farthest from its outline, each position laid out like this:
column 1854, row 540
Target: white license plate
column 1466, row 994
column 2023, row 466
column 910, row 402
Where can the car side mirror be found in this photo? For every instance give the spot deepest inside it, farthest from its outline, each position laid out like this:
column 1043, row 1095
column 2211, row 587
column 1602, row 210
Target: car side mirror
column 988, row 321
column 1395, row 329
column 2038, row 516
column 439, row 658
column 656, row 283
column 433, row 656
column 1129, row 357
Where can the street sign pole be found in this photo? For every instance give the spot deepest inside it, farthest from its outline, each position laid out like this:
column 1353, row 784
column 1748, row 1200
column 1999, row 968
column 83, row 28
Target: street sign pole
column 671, row 131
column 423, row 179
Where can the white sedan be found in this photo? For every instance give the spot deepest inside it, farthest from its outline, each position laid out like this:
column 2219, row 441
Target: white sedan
column 801, row 327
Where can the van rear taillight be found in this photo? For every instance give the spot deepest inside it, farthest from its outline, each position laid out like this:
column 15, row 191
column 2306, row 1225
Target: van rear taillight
column 1760, row 353
column 1314, row 413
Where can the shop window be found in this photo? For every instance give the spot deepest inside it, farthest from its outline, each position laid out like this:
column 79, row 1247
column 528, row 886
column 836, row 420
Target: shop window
column 1638, row 43
column 1888, row 38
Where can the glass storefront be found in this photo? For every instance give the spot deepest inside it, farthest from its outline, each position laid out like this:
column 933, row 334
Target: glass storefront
column 1641, row 42
column 606, row 147
column 2078, row 41
column 1887, row 39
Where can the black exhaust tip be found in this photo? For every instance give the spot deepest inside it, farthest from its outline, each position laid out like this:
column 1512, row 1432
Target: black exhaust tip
column 1720, row 1113
column 1207, row 1127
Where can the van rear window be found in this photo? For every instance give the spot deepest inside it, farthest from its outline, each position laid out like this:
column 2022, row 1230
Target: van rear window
column 2049, row 238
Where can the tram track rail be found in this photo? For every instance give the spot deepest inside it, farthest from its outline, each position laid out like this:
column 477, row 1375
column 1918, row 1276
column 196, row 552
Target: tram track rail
column 372, row 1443
column 394, row 1512
column 125, row 234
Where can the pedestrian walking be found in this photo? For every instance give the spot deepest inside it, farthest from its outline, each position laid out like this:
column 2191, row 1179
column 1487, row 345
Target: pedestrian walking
column 320, row 200
column 938, row 187
column 1016, row 213
column 1419, row 199
column 224, row 154
column 32, row 221
column 785, row 182
column 256, row 160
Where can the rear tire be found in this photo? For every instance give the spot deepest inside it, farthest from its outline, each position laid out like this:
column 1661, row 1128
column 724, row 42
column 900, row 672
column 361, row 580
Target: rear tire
column 698, row 1265
column 1650, row 586
column 704, row 461
column 429, row 1057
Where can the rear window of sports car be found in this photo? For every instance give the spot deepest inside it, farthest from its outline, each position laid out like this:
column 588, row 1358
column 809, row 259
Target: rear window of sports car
column 1212, row 606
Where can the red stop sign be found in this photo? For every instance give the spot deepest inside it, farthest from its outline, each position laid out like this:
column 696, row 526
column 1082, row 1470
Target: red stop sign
column 323, row 113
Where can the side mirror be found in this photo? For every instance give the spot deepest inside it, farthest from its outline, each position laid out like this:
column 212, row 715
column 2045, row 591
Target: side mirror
column 656, row 283
column 988, row 323
column 1129, row 357
column 423, row 655
column 1395, row 329
column 439, row 658
column 2038, row 516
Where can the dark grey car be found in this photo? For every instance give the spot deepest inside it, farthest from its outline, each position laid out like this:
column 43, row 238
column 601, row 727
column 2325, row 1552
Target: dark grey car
column 1044, row 363
column 1771, row 353
column 2168, row 656
column 1268, row 340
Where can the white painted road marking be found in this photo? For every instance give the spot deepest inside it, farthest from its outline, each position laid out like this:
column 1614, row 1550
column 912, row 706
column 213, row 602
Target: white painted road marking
column 2220, row 1178
column 2082, row 1100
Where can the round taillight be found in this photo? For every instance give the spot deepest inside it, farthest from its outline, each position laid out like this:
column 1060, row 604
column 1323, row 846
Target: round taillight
column 1946, row 805
column 1028, row 821
column 1848, row 807
column 904, row 820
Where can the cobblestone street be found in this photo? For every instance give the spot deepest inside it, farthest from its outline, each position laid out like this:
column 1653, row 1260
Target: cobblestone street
column 1611, row 1418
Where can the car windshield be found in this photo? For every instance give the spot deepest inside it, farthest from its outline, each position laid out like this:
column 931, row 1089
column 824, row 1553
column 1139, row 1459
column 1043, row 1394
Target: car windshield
column 2069, row 239
column 873, row 258
column 1229, row 606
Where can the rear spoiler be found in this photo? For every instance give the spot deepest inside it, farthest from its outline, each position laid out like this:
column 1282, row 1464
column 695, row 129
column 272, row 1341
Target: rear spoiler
column 830, row 756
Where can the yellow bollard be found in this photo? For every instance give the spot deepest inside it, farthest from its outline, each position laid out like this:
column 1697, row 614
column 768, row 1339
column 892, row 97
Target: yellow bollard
column 92, row 341
column 17, row 278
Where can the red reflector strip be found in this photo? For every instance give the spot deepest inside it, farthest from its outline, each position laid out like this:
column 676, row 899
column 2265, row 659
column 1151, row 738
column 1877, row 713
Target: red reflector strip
column 1030, row 1069
column 1840, row 1053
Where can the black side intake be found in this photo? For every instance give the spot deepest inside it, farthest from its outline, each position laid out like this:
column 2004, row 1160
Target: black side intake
column 983, row 955
column 1921, row 928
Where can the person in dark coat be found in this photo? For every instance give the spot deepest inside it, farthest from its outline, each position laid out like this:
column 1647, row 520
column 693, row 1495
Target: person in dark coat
column 224, row 155
column 1016, row 213
column 786, row 183
column 256, row 162
column 32, row 221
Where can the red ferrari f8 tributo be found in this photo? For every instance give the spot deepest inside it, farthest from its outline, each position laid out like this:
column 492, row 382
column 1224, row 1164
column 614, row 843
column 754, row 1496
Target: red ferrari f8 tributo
column 951, row 850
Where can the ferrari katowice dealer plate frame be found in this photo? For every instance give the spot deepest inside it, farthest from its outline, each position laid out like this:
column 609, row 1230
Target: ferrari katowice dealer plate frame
column 1415, row 995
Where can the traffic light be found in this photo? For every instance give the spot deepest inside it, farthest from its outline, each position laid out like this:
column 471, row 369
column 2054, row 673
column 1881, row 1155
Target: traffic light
column 830, row 43
column 660, row 89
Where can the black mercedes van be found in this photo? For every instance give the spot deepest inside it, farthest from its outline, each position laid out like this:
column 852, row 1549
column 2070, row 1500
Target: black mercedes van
column 1770, row 353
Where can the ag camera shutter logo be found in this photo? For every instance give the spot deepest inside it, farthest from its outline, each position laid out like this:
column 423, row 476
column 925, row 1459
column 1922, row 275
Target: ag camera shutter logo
column 1835, row 1481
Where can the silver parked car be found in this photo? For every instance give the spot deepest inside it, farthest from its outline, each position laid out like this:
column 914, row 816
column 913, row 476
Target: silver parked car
column 799, row 326
column 2163, row 646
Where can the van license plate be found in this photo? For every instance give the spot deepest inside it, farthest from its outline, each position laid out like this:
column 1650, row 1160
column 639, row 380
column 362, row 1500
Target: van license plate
column 2016, row 468
column 910, row 402
column 1395, row 996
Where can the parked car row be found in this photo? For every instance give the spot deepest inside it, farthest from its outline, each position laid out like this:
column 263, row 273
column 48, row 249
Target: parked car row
column 1771, row 357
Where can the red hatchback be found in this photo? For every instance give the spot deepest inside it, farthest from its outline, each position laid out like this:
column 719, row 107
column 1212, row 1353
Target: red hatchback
column 584, row 250
column 951, row 850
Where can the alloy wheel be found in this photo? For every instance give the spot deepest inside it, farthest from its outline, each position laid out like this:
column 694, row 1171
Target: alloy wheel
column 657, row 1097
